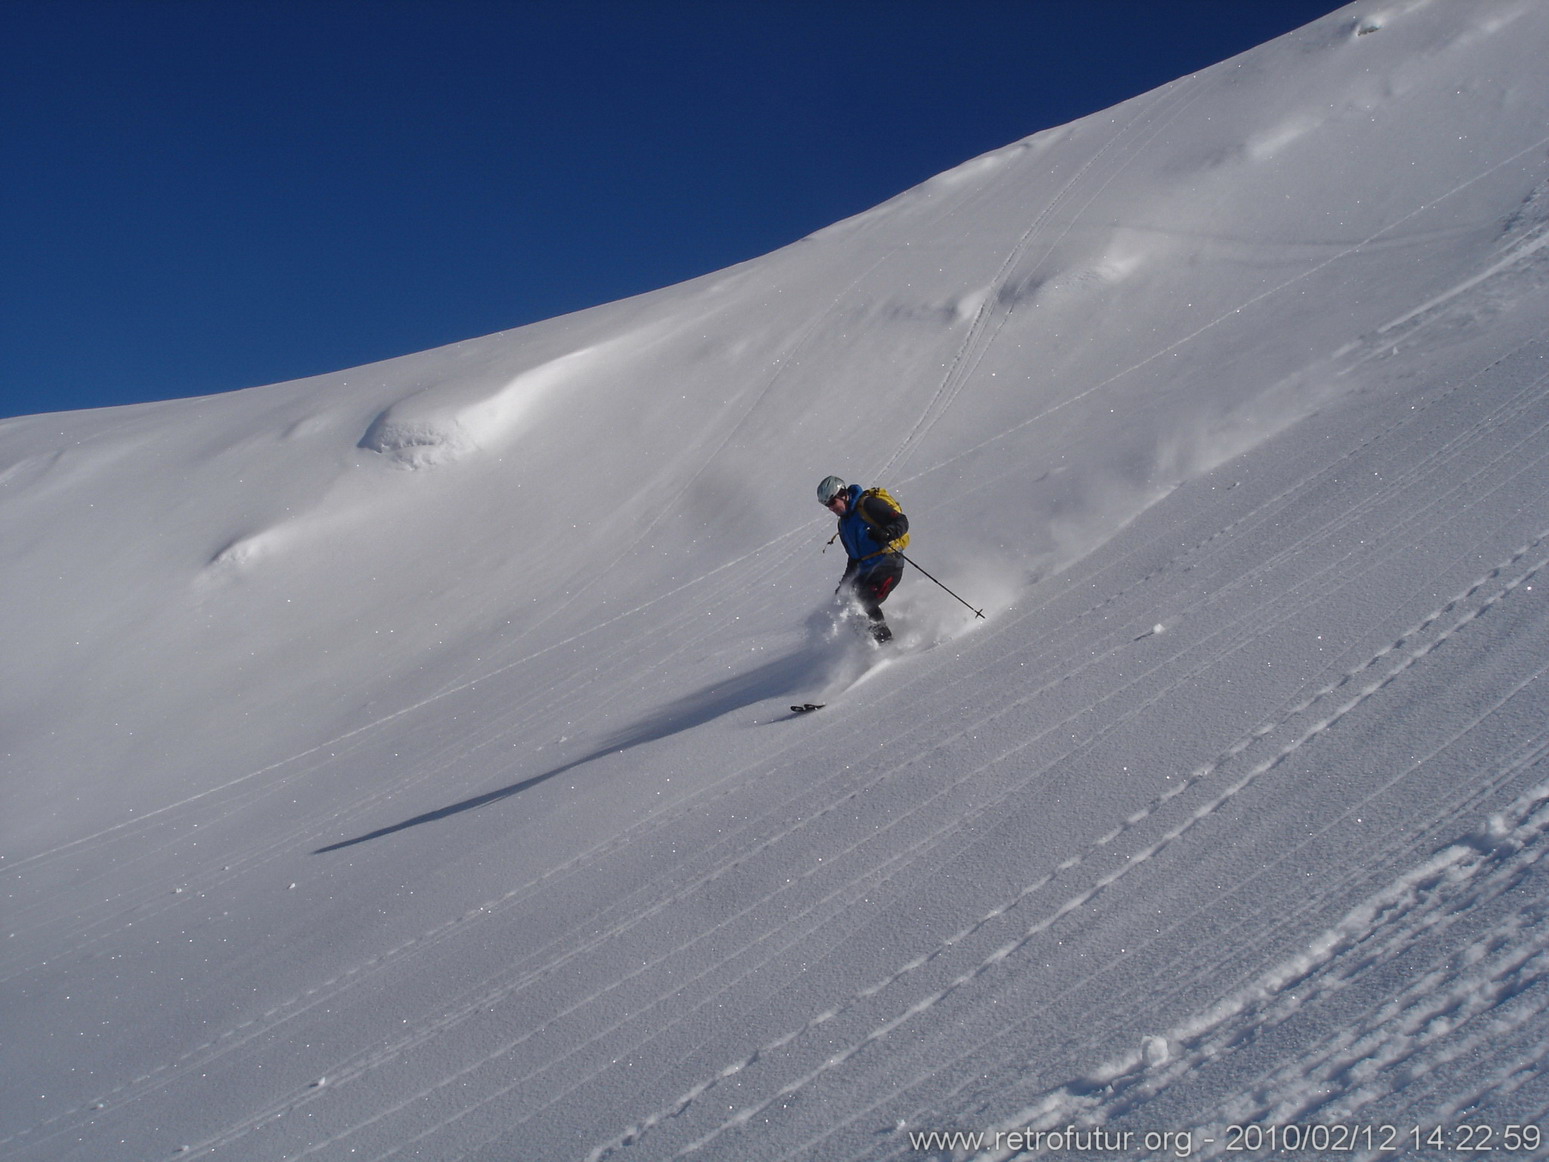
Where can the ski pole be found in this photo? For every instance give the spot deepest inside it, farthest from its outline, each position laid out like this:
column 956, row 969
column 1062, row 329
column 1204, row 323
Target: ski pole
column 979, row 613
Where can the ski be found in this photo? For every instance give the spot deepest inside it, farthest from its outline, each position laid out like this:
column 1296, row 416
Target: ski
column 808, row 707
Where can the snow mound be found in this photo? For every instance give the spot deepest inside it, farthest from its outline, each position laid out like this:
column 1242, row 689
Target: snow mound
column 445, row 422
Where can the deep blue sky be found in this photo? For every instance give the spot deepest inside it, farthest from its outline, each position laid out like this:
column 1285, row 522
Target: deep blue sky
column 202, row 195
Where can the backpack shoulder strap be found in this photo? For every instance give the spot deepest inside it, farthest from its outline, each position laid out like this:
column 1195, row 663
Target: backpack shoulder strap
column 874, row 494
column 886, row 497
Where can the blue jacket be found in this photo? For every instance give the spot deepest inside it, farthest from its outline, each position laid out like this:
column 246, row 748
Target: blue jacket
column 865, row 544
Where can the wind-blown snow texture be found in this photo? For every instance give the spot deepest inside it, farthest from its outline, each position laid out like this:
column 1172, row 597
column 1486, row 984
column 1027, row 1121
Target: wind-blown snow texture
column 398, row 764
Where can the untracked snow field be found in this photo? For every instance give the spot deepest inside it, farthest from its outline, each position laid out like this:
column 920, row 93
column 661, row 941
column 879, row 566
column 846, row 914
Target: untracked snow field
column 399, row 763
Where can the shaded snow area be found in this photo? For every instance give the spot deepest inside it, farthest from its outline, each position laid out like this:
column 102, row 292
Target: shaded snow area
column 399, row 763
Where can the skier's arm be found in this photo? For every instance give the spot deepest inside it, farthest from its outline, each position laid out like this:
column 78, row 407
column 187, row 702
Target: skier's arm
column 887, row 522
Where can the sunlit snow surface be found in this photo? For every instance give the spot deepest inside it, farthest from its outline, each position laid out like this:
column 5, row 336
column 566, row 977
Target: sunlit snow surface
column 398, row 763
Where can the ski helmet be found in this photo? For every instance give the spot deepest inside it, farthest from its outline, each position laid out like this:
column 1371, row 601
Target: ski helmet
column 830, row 487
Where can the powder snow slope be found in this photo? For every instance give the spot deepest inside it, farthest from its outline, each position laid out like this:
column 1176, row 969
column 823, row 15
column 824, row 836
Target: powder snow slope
column 397, row 762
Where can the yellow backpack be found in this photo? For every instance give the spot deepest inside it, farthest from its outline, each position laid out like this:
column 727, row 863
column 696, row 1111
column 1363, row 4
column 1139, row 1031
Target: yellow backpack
column 884, row 495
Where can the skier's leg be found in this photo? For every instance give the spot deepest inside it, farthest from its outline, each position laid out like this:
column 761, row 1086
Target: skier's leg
column 872, row 591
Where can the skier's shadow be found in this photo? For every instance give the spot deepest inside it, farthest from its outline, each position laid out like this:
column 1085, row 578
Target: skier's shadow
column 779, row 676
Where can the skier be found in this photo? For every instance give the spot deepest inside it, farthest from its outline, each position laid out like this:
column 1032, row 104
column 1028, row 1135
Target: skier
column 873, row 531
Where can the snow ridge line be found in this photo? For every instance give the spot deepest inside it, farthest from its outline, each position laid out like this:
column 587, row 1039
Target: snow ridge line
column 1417, row 907
column 742, row 1117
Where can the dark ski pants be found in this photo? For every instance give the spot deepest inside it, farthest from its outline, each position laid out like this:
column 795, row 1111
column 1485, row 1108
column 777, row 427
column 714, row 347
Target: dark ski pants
column 872, row 587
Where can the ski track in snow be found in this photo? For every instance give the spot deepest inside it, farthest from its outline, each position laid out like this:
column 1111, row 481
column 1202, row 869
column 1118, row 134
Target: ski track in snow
column 1400, row 1038
column 1122, row 1086
column 1178, row 344
column 981, row 332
